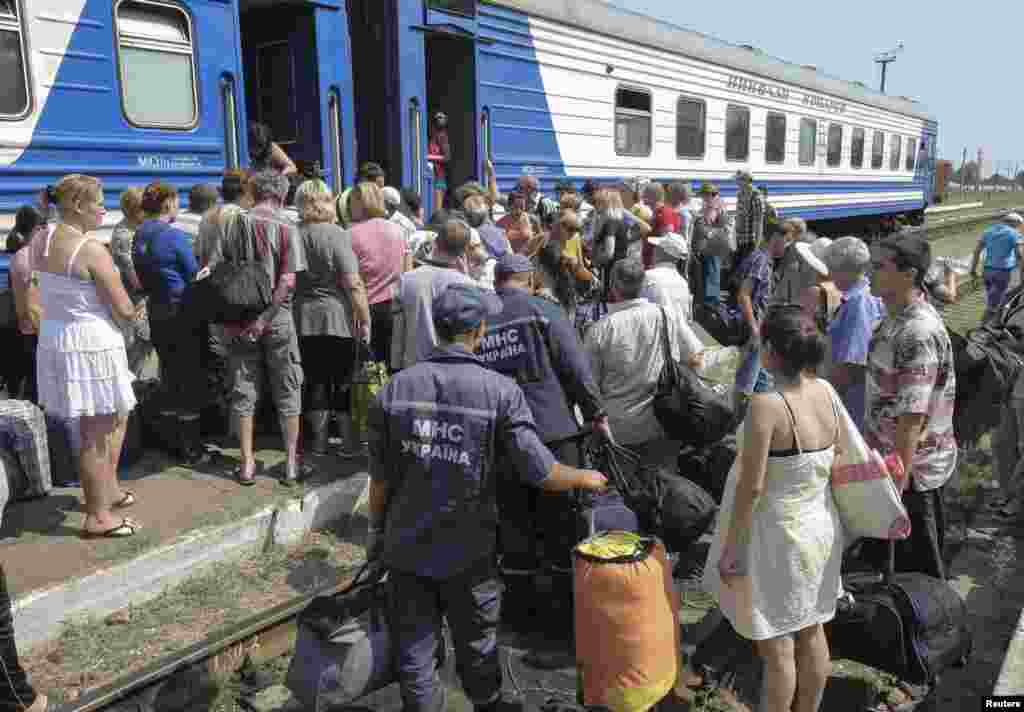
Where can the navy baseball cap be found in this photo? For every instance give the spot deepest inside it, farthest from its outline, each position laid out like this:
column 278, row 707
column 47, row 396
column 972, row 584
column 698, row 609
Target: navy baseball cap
column 461, row 307
column 511, row 263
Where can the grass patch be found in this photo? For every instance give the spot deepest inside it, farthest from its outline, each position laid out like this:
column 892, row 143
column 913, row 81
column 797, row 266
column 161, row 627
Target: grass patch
column 92, row 652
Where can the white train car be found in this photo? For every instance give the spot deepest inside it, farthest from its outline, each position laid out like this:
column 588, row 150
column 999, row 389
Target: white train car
column 583, row 89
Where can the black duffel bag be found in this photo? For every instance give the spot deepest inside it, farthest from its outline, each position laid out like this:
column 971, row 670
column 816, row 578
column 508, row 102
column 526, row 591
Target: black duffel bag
column 911, row 625
column 688, row 407
column 676, row 510
column 709, row 465
column 726, row 327
column 239, row 288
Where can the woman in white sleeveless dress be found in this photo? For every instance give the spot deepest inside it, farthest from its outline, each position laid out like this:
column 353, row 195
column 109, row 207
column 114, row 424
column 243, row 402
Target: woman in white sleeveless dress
column 774, row 562
column 83, row 368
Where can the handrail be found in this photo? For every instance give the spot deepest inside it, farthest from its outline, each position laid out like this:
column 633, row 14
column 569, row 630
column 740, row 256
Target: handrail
column 416, row 123
column 336, row 138
column 231, row 149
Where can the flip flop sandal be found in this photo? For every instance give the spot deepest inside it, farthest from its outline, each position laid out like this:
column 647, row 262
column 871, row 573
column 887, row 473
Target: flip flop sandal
column 126, row 501
column 236, row 474
column 123, row 530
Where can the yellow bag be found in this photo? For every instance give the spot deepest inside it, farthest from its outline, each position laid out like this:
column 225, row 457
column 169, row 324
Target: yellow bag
column 367, row 381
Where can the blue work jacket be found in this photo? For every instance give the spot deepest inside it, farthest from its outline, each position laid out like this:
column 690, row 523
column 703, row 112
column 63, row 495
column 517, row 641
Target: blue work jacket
column 436, row 431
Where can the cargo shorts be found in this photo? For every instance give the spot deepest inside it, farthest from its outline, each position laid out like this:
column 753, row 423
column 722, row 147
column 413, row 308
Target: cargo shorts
column 274, row 358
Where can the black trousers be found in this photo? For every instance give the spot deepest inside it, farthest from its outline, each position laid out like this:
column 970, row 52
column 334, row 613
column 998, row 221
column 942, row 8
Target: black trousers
column 922, row 550
column 19, row 369
column 382, row 324
column 16, row 693
column 327, row 363
column 537, row 529
column 178, row 340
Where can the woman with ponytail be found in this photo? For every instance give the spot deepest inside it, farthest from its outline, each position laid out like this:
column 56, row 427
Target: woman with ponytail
column 774, row 564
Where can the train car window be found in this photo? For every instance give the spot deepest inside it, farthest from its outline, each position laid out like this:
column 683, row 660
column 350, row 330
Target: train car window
column 911, row 151
column 808, row 141
column 775, row 138
column 878, row 150
column 834, row 155
column 14, row 94
column 633, row 122
column 894, row 152
column 690, row 132
column 857, row 149
column 737, row 133
column 155, row 53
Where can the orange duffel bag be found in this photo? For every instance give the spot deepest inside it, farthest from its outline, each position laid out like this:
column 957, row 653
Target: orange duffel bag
column 627, row 621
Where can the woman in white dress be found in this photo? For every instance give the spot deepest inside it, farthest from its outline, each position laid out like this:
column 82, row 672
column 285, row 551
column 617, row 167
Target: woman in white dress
column 774, row 563
column 83, row 368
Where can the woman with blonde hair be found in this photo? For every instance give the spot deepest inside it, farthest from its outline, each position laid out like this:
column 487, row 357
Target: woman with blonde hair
column 83, row 368
column 381, row 249
column 331, row 314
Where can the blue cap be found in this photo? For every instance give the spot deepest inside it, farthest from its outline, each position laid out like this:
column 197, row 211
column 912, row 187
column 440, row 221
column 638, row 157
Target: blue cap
column 511, row 263
column 461, row 307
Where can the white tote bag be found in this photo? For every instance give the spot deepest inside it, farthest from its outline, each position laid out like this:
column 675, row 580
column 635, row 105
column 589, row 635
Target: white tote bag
column 863, row 487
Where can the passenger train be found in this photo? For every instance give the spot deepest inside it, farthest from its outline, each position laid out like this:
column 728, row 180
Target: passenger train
column 133, row 90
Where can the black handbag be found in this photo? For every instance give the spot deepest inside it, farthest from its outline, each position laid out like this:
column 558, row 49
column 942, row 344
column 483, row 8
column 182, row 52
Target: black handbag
column 238, row 289
column 911, row 625
column 726, row 327
column 688, row 407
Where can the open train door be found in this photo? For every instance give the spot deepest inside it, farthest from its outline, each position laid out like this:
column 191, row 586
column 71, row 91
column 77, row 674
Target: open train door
column 298, row 80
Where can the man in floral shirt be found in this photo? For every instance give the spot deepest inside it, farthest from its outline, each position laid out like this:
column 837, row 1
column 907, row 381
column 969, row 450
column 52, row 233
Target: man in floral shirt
column 911, row 388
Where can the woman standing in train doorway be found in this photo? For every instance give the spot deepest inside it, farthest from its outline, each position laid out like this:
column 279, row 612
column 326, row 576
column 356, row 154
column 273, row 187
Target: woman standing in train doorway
column 264, row 154
column 440, row 153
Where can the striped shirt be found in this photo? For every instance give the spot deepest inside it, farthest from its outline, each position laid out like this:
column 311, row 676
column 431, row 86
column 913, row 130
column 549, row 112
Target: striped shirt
column 910, row 372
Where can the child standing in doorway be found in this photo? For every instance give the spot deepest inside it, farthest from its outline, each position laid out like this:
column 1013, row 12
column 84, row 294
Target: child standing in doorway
column 439, row 153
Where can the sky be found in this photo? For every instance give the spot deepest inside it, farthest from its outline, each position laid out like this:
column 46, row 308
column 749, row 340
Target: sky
column 964, row 64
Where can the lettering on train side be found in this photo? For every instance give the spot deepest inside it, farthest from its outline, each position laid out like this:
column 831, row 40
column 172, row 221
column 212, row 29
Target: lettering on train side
column 821, row 102
column 753, row 86
column 171, row 163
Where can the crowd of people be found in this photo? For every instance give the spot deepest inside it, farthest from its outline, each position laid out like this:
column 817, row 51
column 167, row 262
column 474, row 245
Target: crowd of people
column 569, row 296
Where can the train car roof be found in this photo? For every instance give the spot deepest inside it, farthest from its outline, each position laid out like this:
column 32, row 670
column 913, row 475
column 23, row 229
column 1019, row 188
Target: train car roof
column 621, row 23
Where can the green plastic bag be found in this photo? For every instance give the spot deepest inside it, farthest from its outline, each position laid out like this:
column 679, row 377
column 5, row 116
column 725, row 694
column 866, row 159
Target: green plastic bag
column 367, row 381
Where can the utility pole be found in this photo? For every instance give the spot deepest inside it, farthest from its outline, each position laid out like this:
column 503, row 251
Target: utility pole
column 963, row 173
column 887, row 58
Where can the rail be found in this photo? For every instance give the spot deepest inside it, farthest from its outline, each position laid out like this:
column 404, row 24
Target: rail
column 134, row 684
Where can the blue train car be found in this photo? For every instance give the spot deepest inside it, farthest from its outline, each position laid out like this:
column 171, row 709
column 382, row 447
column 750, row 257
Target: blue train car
column 134, row 90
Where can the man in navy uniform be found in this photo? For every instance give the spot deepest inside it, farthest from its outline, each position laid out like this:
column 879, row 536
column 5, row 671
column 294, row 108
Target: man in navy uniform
column 437, row 431
column 532, row 342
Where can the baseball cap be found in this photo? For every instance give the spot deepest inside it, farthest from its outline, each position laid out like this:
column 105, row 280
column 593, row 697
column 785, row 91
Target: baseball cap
column 672, row 243
column 708, row 189
column 744, row 176
column 391, row 196
column 1013, row 218
column 913, row 249
column 462, row 307
column 511, row 263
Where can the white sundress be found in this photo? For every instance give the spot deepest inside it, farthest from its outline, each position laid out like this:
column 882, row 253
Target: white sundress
column 81, row 360
column 795, row 552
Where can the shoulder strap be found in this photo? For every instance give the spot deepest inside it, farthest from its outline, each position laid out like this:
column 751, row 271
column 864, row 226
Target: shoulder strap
column 666, row 348
column 74, row 254
column 792, row 419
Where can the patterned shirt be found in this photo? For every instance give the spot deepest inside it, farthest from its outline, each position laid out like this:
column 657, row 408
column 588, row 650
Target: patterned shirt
column 757, row 268
column 749, row 219
column 910, row 371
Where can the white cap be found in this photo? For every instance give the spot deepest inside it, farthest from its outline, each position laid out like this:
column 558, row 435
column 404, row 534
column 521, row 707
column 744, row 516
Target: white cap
column 806, row 253
column 1013, row 219
column 391, row 196
column 820, row 247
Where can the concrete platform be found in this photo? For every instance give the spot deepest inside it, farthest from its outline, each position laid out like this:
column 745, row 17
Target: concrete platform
column 189, row 517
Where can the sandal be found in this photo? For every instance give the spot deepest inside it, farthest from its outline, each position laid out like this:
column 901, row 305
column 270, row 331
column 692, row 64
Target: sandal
column 123, row 530
column 236, row 474
column 126, row 501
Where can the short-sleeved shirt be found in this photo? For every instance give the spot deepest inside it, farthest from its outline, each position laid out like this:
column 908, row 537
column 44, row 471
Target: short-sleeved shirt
column 1000, row 243
column 749, row 219
column 277, row 246
column 757, row 268
column 415, row 337
column 850, row 336
column 322, row 308
column 911, row 372
column 379, row 245
column 436, row 432
column 164, row 261
column 666, row 220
